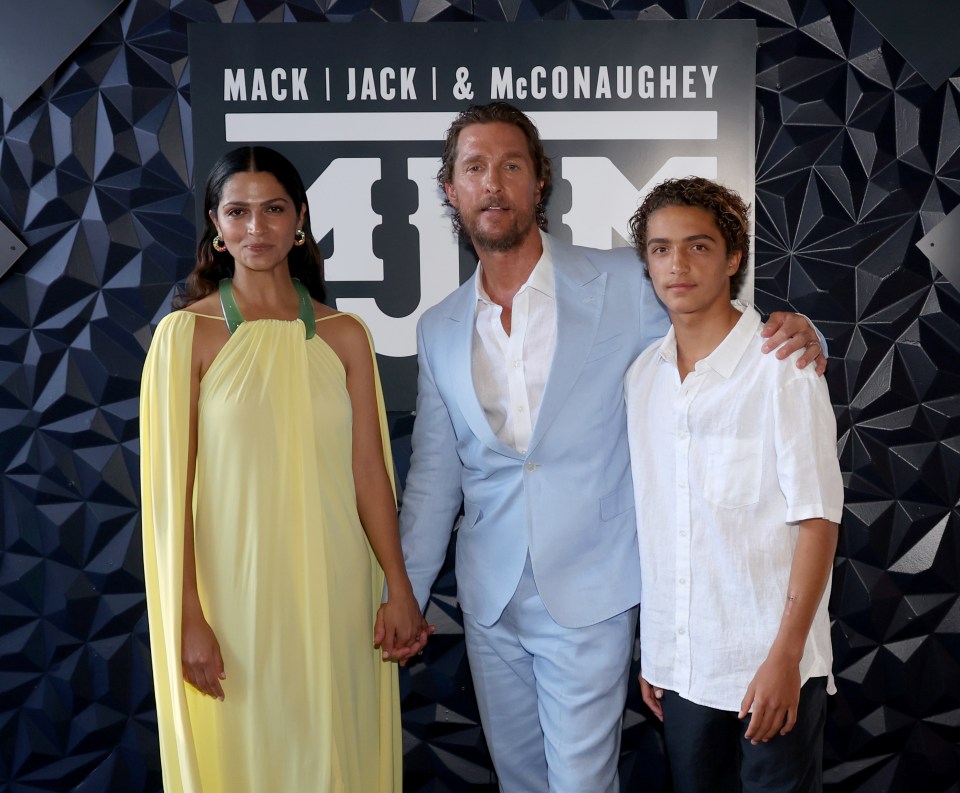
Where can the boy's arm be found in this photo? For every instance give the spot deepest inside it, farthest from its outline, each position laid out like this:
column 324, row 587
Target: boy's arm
column 774, row 692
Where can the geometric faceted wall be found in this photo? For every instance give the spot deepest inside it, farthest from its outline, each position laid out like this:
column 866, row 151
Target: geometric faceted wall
column 858, row 160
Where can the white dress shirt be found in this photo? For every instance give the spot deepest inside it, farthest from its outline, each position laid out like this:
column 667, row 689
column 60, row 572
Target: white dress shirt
column 724, row 466
column 510, row 372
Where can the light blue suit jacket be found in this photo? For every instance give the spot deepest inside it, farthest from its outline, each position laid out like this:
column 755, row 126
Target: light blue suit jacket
column 569, row 499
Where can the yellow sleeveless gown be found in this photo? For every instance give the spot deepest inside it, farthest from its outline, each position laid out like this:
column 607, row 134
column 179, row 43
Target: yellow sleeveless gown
column 287, row 579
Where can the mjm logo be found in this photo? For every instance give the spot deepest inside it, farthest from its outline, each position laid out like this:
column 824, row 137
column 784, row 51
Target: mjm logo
column 603, row 198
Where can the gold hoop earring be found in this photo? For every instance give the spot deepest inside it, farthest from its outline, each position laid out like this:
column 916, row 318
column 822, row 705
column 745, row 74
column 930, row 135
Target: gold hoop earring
column 299, row 238
column 218, row 245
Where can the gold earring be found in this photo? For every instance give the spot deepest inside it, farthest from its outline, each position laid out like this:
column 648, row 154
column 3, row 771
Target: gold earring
column 218, row 245
column 299, row 238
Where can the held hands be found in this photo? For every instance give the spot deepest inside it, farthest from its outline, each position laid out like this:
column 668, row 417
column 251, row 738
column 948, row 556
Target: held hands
column 400, row 630
column 651, row 696
column 774, row 695
column 786, row 332
column 200, row 655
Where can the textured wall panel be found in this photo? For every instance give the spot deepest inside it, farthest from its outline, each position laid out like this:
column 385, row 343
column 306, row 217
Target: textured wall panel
column 857, row 163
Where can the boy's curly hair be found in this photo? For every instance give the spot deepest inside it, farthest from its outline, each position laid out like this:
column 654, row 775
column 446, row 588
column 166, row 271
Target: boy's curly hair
column 726, row 206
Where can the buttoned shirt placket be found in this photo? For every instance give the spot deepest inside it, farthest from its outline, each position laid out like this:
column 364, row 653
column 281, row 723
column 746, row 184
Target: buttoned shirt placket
column 516, row 378
column 686, row 395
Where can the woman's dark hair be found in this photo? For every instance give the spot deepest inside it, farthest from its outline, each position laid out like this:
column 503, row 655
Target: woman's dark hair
column 305, row 260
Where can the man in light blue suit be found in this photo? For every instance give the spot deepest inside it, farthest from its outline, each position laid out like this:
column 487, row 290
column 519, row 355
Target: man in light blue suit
column 520, row 419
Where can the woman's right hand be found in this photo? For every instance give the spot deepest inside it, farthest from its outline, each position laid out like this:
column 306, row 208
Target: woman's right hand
column 200, row 655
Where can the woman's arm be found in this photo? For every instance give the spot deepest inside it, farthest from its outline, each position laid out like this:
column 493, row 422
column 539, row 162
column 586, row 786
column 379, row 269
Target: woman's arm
column 199, row 649
column 400, row 620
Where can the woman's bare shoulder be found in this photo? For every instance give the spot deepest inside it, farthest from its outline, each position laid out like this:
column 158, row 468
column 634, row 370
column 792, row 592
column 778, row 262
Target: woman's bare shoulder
column 208, row 307
column 345, row 333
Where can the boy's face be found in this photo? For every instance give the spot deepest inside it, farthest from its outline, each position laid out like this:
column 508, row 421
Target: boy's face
column 688, row 261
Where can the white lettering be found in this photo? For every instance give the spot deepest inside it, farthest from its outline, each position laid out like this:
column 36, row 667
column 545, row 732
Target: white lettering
column 386, row 89
column 688, row 74
column 604, row 198
column 645, row 84
column 340, row 204
column 234, row 86
column 501, row 83
column 624, row 82
column 603, row 83
column 581, row 82
column 258, row 91
column 298, row 83
column 537, row 91
column 351, row 84
column 276, row 77
column 668, row 82
column 709, row 75
column 407, row 91
column 439, row 253
column 559, row 83
column 369, row 88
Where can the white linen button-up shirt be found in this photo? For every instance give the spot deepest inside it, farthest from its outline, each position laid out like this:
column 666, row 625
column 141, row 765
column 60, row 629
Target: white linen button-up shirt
column 510, row 372
column 725, row 464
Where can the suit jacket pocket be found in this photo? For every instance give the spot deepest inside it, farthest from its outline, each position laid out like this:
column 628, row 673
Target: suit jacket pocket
column 617, row 502
column 471, row 516
column 604, row 348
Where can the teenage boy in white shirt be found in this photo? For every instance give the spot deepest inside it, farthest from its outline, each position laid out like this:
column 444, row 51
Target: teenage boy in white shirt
column 734, row 464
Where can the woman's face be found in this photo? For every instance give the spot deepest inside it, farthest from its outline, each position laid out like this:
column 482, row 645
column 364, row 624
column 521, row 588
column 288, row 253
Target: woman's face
column 257, row 220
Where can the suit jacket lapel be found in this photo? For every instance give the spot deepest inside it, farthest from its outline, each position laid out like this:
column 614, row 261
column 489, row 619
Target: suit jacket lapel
column 580, row 290
column 459, row 362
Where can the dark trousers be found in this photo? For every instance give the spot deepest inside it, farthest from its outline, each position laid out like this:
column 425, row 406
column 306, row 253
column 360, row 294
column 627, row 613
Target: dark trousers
column 708, row 753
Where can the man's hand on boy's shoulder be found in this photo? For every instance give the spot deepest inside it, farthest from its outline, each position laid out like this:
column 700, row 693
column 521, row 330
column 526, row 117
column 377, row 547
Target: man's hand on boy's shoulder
column 787, row 332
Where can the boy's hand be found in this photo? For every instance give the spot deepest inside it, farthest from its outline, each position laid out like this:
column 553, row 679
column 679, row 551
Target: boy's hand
column 651, row 696
column 774, row 694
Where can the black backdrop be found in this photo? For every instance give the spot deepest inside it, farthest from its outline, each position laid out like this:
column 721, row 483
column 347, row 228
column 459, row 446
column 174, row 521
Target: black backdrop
column 858, row 159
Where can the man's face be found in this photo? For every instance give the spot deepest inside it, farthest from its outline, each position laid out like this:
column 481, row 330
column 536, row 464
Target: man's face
column 494, row 186
column 687, row 259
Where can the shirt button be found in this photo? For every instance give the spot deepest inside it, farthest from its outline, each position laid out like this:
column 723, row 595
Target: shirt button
column 531, row 466
column 519, row 408
column 682, row 631
column 683, row 534
column 683, row 580
column 516, row 364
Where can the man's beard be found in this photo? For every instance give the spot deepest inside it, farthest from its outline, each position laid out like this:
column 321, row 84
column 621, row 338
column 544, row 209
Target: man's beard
column 506, row 240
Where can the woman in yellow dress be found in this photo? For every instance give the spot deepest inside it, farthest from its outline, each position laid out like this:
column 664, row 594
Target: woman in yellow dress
column 269, row 516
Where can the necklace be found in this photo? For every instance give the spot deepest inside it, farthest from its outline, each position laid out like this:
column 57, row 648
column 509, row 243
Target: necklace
column 234, row 319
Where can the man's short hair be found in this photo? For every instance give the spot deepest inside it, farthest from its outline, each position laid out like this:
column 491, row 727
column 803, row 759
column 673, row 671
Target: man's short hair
column 496, row 112
column 727, row 207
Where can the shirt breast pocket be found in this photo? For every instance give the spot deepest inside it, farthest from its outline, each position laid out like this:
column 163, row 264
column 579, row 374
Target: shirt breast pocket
column 732, row 471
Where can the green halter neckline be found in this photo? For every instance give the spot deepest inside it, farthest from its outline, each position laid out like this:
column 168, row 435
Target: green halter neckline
column 234, row 319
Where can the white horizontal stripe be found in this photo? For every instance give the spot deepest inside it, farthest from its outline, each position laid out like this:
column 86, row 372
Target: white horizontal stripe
column 406, row 126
